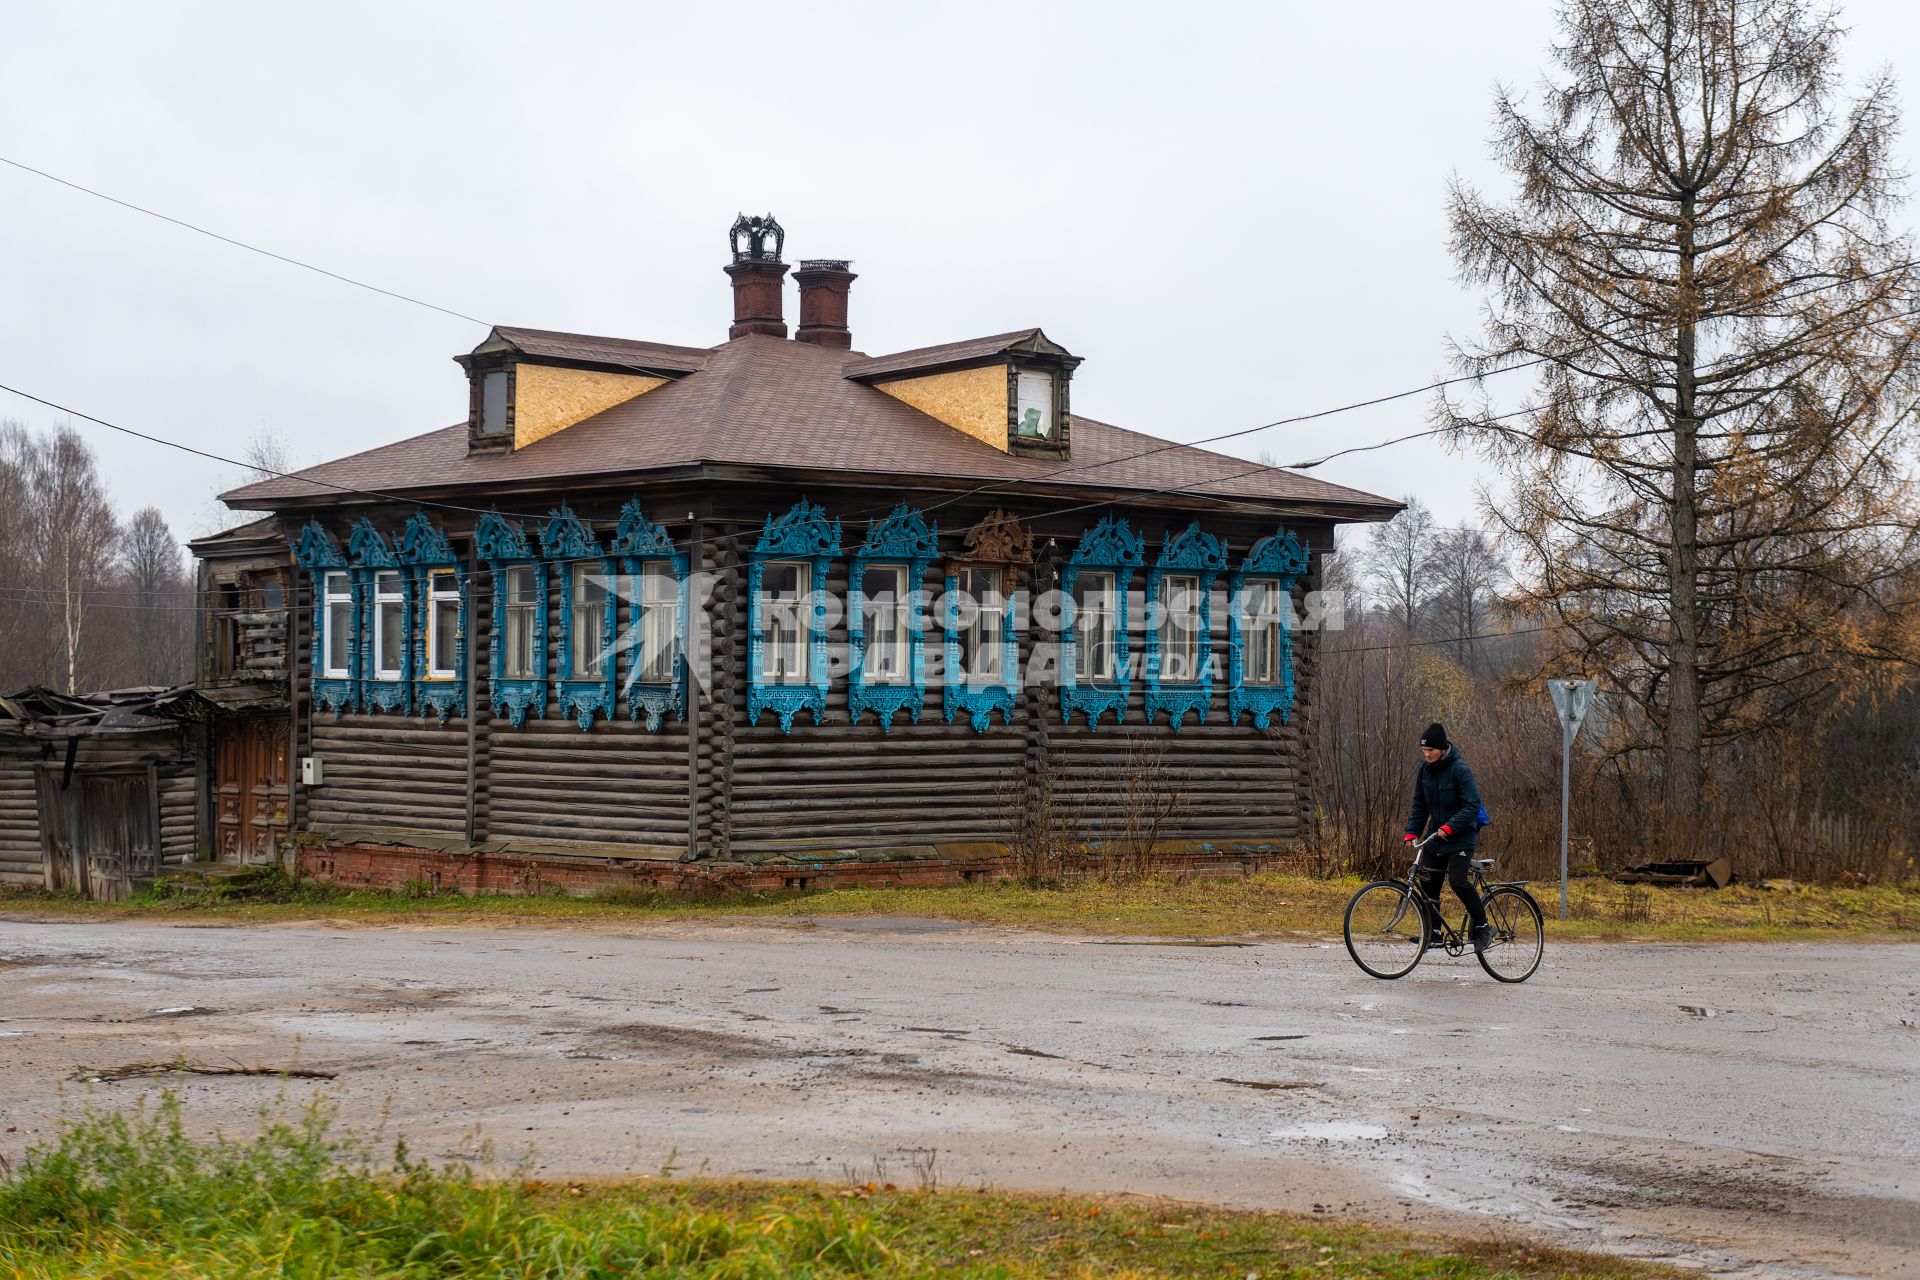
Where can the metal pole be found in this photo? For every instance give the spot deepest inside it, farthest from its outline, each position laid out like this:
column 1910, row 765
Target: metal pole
column 1566, row 782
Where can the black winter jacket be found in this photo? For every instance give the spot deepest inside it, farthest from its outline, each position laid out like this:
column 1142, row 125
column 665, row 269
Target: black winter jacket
column 1445, row 794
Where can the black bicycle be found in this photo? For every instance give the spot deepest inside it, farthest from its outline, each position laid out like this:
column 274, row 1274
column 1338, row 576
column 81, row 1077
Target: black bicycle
column 1387, row 932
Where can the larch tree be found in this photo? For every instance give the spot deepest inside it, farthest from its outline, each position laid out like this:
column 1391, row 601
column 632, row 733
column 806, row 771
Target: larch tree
column 1711, row 485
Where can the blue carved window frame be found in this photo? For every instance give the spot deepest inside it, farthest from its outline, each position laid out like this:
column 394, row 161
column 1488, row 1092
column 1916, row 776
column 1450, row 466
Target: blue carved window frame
column 502, row 544
column 1280, row 557
column 959, row 692
column 902, row 538
column 1109, row 547
column 319, row 554
column 1195, row 553
column 637, row 540
column 569, row 544
column 369, row 555
column 803, row 533
column 424, row 549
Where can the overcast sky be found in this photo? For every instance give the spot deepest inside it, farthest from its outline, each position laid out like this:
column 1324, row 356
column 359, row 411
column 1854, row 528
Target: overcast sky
column 1232, row 213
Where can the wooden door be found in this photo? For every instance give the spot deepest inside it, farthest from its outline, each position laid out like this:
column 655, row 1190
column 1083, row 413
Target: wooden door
column 250, row 788
column 100, row 829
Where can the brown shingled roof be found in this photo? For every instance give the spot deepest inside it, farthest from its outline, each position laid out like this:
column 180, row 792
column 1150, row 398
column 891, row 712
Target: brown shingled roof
column 766, row 402
column 621, row 351
column 943, row 356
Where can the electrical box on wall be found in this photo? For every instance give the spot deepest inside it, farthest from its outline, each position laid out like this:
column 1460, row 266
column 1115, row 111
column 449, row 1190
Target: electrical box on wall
column 312, row 771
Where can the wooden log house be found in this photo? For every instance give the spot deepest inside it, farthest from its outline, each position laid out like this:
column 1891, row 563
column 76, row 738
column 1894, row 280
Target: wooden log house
column 638, row 618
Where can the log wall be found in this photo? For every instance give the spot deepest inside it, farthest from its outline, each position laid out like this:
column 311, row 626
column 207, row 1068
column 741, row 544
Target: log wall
column 21, row 858
column 757, row 792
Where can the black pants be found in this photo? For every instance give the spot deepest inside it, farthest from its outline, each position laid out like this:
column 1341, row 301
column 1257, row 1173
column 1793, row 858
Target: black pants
column 1457, row 872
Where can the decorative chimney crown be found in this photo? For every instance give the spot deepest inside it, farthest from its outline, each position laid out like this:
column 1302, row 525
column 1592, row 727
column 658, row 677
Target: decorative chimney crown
column 823, row 302
column 756, row 230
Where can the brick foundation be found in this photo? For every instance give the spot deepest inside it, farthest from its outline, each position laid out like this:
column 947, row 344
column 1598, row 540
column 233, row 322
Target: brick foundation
column 381, row 866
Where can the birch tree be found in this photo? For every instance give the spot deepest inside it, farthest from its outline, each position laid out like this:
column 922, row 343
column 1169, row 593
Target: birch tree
column 73, row 532
column 1710, row 484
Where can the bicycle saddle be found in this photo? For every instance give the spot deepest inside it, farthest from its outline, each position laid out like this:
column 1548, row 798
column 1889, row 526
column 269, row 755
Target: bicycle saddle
column 1483, row 863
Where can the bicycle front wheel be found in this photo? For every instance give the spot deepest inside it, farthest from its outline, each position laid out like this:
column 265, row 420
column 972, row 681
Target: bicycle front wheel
column 1386, row 929
column 1519, row 938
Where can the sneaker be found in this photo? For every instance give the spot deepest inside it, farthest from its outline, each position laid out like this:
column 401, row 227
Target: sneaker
column 1482, row 937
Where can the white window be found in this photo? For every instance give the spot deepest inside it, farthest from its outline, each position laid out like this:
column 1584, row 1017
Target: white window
column 389, row 625
column 1033, row 406
column 1093, row 625
column 443, row 624
column 337, row 619
column 589, row 622
column 522, row 612
column 1260, row 627
column 659, row 622
column 982, row 647
column 785, row 601
column 1179, row 632
column 884, row 603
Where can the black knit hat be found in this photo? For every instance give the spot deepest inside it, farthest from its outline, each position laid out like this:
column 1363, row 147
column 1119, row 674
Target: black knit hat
column 1435, row 737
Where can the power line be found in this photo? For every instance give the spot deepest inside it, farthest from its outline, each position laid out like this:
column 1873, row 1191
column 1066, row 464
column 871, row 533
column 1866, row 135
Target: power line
column 240, row 244
column 1045, row 476
column 1198, row 491
column 234, row 462
column 1214, row 439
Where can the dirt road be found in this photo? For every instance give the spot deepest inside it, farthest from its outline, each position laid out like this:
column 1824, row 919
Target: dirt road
column 1748, row 1108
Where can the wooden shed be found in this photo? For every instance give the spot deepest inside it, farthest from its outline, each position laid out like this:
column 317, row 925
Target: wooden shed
column 97, row 792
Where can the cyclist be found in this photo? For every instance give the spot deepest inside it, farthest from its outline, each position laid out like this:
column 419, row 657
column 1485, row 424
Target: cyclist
column 1446, row 797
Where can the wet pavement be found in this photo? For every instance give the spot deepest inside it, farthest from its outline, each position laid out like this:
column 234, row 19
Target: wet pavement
column 1748, row 1109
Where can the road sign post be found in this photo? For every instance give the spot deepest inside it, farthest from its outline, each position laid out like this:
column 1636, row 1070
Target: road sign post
column 1572, row 699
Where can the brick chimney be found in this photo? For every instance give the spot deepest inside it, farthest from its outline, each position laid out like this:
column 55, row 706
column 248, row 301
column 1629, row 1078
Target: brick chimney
column 823, row 302
column 758, row 276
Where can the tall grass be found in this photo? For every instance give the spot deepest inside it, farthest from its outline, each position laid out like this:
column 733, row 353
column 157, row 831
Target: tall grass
column 130, row 1196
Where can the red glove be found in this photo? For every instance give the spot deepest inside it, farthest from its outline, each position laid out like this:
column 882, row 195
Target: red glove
column 1447, row 831
column 1409, row 837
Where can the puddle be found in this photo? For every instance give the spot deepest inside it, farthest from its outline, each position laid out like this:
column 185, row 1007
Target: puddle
column 1332, row 1131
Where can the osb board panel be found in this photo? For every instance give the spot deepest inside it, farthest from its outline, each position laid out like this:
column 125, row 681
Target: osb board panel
column 969, row 400
column 546, row 399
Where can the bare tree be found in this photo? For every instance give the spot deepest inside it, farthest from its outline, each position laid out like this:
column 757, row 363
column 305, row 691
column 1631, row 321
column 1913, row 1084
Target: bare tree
column 266, row 454
column 73, row 535
column 1399, row 564
column 22, row 616
column 1468, row 572
column 1708, row 489
column 156, row 601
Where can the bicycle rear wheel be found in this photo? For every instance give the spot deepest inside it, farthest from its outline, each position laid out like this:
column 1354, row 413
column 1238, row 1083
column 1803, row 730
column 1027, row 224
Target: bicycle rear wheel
column 1386, row 929
column 1519, row 938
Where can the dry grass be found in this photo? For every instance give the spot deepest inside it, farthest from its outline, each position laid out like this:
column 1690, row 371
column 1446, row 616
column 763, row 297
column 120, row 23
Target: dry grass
column 1268, row 904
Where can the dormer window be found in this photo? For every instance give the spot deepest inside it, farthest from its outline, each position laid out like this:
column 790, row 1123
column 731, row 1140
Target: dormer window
column 1011, row 392
column 1033, row 408
column 493, row 403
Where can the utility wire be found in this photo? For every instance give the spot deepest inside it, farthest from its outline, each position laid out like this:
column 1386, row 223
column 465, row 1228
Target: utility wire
column 240, row 244
column 1044, row 476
